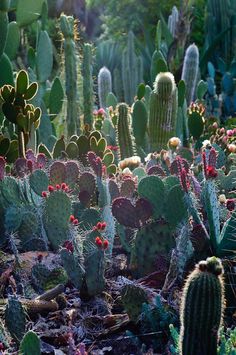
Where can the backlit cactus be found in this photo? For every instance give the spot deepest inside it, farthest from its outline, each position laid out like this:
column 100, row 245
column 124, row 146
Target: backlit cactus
column 104, row 86
column 163, row 111
column 88, row 85
column 202, row 309
column 67, row 28
column 190, row 71
column 124, row 137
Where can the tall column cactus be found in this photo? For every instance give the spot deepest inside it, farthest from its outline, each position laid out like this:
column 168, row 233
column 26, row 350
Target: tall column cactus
column 219, row 15
column 67, row 28
column 104, row 85
column 173, row 20
column 4, row 5
column 131, row 70
column 124, row 137
column 163, row 111
column 202, row 309
column 88, row 85
column 190, row 71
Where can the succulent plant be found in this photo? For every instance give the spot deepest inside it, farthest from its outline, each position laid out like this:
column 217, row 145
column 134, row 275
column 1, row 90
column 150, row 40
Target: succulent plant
column 203, row 295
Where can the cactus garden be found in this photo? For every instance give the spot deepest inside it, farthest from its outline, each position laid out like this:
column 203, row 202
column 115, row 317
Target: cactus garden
column 118, row 177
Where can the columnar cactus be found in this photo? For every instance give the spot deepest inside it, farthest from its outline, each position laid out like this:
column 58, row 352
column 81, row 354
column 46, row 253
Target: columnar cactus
column 190, row 71
column 67, row 28
column 131, row 70
column 88, row 85
column 123, row 132
column 104, row 85
column 3, row 24
column 202, row 309
column 140, row 117
column 173, row 20
column 163, row 111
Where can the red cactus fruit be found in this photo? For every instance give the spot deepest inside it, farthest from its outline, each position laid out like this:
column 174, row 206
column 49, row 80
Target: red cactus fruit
column 75, row 222
column 50, row 188
column 72, row 218
column 44, row 194
column 105, row 244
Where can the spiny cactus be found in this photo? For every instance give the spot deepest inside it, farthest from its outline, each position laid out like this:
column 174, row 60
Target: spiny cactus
column 3, row 24
column 67, row 28
column 190, row 71
column 163, row 111
column 30, row 344
column 88, row 85
column 15, row 318
column 18, row 111
column 173, row 20
column 140, row 117
column 124, row 137
column 131, row 70
column 104, row 85
column 202, row 309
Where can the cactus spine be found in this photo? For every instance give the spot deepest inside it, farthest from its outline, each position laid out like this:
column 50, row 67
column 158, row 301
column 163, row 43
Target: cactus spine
column 124, row 136
column 88, row 85
column 104, row 85
column 202, row 309
column 190, row 71
column 67, row 28
column 163, row 111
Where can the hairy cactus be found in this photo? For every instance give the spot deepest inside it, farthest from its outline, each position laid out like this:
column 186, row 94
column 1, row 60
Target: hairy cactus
column 202, row 309
column 88, row 85
column 190, row 71
column 163, row 111
column 173, row 21
column 104, row 86
column 67, row 28
column 124, row 137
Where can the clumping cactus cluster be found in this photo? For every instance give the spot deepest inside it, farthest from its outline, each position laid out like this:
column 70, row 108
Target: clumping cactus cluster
column 100, row 163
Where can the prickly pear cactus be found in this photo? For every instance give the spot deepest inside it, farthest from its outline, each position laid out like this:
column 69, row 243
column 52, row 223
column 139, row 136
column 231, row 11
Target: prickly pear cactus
column 132, row 297
column 151, row 241
column 56, row 216
column 15, row 318
column 30, row 344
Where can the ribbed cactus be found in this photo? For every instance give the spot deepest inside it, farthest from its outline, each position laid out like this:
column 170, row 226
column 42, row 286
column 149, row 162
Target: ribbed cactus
column 219, row 17
column 104, row 85
column 118, row 87
column 190, row 71
column 67, row 28
column 202, row 309
column 163, row 111
column 173, row 20
column 88, row 85
column 131, row 70
column 123, row 132
column 3, row 24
